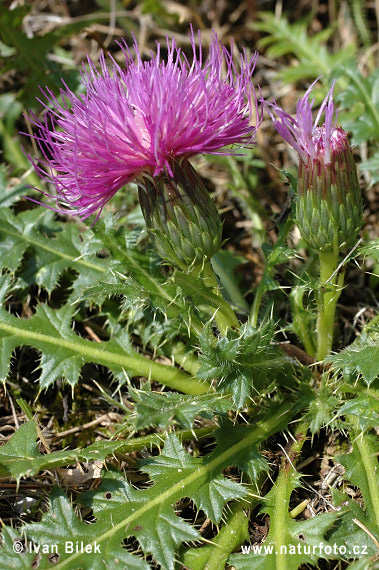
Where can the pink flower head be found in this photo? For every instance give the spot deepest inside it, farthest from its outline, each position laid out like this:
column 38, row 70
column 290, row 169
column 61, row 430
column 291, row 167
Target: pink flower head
column 309, row 139
column 135, row 121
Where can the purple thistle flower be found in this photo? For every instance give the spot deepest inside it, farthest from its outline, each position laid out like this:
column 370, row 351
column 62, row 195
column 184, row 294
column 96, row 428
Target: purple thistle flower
column 135, row 122
column 329, row 202
column 308, row 138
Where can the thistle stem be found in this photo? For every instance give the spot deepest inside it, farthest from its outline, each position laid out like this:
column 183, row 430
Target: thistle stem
column 300, row 321
column 331, row 284
column 183, row 356
column 225, row 316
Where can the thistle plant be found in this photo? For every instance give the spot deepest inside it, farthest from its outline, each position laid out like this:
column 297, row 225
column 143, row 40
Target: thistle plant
column 142, row 123
column 183, row 421
column 329, row 202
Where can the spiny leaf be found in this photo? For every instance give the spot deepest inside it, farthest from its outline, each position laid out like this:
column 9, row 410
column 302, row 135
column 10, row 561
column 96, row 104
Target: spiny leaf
column 161, row 408
column 322, row 408
column 20, row 456
column 290, row 543
column 244, row 361
column 370, row 248
column 362, row 356
column 64, row 352
column 361, row 466
column 55, row 246
column 347, row 534
column 148, row 514
column 61, row 527
column 21, row 447
column 365, row 408
column 209, row 493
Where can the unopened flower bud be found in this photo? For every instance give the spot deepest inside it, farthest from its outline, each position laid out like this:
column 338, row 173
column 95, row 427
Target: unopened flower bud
column 329, row 203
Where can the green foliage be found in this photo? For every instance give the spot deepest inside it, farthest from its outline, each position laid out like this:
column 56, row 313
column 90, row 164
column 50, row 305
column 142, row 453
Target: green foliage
column 64, row 352
column 163, row 408
column 10, row 556
column 359, row 525
column 322, row 408
column 361, row 466
column 294, row 39
column 53, row 250
column 357, row 93
column 27, row 55
column 245, row 361
column 198, row 392
column 361, row 357
column 359, row 101
column 290, row 543
column 20, row 456
column 122, row 511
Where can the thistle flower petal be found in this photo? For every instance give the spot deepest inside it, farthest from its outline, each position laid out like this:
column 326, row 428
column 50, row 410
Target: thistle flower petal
column 304, row 135
column 138, row 119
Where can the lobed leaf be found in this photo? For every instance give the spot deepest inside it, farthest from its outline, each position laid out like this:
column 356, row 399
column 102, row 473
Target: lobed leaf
column 163, row 408
column 64, row 352
column 361, row 357
column 244, row 361
column 290, row 543
column 148, row 514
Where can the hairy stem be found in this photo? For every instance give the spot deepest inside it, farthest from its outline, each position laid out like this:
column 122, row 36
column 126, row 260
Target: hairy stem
column 370, row 465
column 183, row 356
column 331, row 284
column 225, row 316
column 137, row 364
column 278, row 525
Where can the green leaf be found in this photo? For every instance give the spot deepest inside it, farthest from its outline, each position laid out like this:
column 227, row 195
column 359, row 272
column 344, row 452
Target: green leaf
column 148, row 514
column 64, row 352
column 286, row 38
column 361, row 357
column 20, row 451
column 209, row 494
column 347, row 534
column 322, row 408
column 244, row 361
column 9, row 194
column 61, row 527
column 290, row 543
column 55, row 246
column 360, row 98
column 370, row 248
column 162, row 408
column 362, row 470
column 372, row 165
column 10, row 555
column 29, row 56
column 20, row 457
column 365, row 408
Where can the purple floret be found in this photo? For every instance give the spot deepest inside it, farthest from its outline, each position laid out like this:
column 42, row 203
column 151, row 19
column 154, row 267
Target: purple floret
column 309, row 139
column 137, row 120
